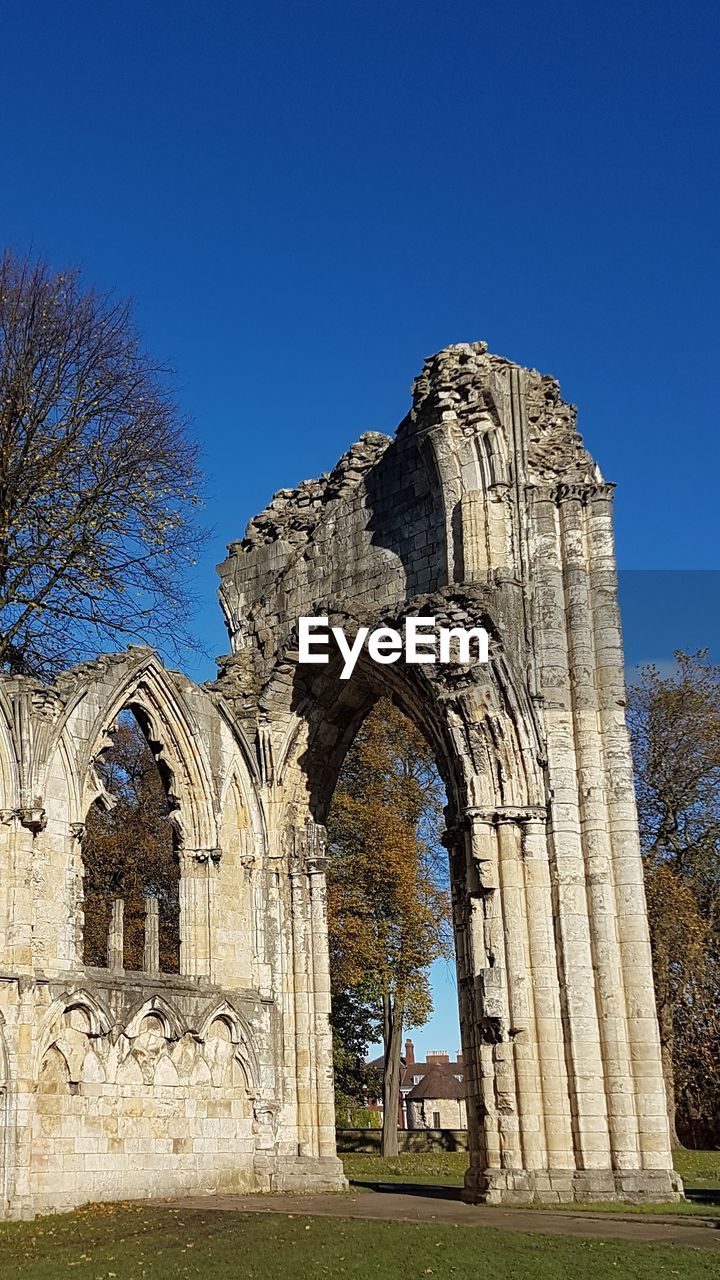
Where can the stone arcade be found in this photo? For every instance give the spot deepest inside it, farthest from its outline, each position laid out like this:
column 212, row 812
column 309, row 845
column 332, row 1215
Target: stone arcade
column 483, row 510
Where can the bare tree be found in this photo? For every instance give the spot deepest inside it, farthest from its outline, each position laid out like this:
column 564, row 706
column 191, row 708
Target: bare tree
column 98, row 480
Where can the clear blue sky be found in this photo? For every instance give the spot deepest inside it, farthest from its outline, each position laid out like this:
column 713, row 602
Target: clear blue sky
column 306, row 199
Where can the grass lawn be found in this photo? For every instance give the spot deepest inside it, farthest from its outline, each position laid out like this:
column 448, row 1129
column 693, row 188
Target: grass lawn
column 143, row 1243
column 700, row 1171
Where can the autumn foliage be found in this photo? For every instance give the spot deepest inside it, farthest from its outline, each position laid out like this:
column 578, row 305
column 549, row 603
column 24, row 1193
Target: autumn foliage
column 387, row 886
column 675, row 725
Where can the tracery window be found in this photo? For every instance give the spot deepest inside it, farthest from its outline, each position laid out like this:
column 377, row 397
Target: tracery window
column 130, row 858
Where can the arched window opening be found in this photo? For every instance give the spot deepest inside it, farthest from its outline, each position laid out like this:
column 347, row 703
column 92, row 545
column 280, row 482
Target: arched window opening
column 390, row 927
column 131, row 886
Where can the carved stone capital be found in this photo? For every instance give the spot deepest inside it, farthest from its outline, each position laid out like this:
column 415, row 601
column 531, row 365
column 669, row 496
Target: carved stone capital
column 521, row 813
column 316, row 866
column 582, row 492
column 506, row 813
column 33, row 818
column 200, row 857
column 307, row 849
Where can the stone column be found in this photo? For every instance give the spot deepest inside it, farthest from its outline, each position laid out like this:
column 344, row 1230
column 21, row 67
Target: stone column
column 198, row 872
column 546, row 994
column 22, row 827
column 521, row 1031
column 455, row 841
column 301, row 994
column 596, row 835
column 494, row 1050
column 151, row 954
column 632, row 926
column 115, row 939
column 580, row 1019
column 321, row 999
column 484, row 1010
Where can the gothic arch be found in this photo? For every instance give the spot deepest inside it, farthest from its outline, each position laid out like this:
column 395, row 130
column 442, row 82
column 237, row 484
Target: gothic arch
column 169, row 725
column 143, row 685
column 99, row 1021
column 483, row 731
column 239, row 1034
column 174, row 1026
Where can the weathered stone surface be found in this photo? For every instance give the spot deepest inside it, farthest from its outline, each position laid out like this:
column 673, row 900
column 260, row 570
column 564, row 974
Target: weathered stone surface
column 484, row 509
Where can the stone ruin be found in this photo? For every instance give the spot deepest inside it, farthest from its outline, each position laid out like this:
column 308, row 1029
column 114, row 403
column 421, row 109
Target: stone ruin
column 483, row 509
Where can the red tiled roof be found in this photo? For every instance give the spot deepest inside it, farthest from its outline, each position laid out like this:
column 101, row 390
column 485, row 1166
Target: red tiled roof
column 439, row 1082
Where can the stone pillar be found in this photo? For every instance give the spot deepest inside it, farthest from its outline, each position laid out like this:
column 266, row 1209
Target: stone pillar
column 198, row 872
column 580, row 1017
column 631, row 919
column 483, row 987
column 301, row 993
column 23, row 825
column 490, row 1049
column 523, row 1104
column 115, row 940
column 546, row 995
column 596, row 836
column 321, row 998
column 454, row 840
column 151, row 954
column 521, row 1031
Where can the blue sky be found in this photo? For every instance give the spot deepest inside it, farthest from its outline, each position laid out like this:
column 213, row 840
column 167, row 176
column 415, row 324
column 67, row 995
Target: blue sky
column 306, row 200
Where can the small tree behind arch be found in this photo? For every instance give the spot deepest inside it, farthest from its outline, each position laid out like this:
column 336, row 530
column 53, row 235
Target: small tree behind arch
column 388, row 896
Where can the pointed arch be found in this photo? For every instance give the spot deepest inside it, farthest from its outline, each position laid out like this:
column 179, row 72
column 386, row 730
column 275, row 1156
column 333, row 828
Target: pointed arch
column 54, row 1061
column 239, row 1035
column 174, row 1026
column 142, row 684
column 51, row 1026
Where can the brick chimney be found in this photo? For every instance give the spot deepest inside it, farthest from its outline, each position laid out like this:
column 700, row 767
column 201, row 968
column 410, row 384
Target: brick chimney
column 409, row 1053
column 438, row 1055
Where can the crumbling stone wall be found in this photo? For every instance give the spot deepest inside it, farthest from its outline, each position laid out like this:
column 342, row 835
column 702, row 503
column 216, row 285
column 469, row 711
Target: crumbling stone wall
column 483, row 509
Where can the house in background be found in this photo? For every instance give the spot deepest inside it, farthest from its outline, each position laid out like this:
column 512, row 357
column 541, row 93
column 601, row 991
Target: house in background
column 442, row 1098
column 437, row 1101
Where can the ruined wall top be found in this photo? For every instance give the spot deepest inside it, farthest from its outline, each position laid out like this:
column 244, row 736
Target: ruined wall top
column 292, row 514
column 463, row 385
column 394, row 521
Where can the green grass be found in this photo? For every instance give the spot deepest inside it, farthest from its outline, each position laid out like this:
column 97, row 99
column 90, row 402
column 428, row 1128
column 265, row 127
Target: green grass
column 439, row 1168
column 150, row 1243
column 700, row 1171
